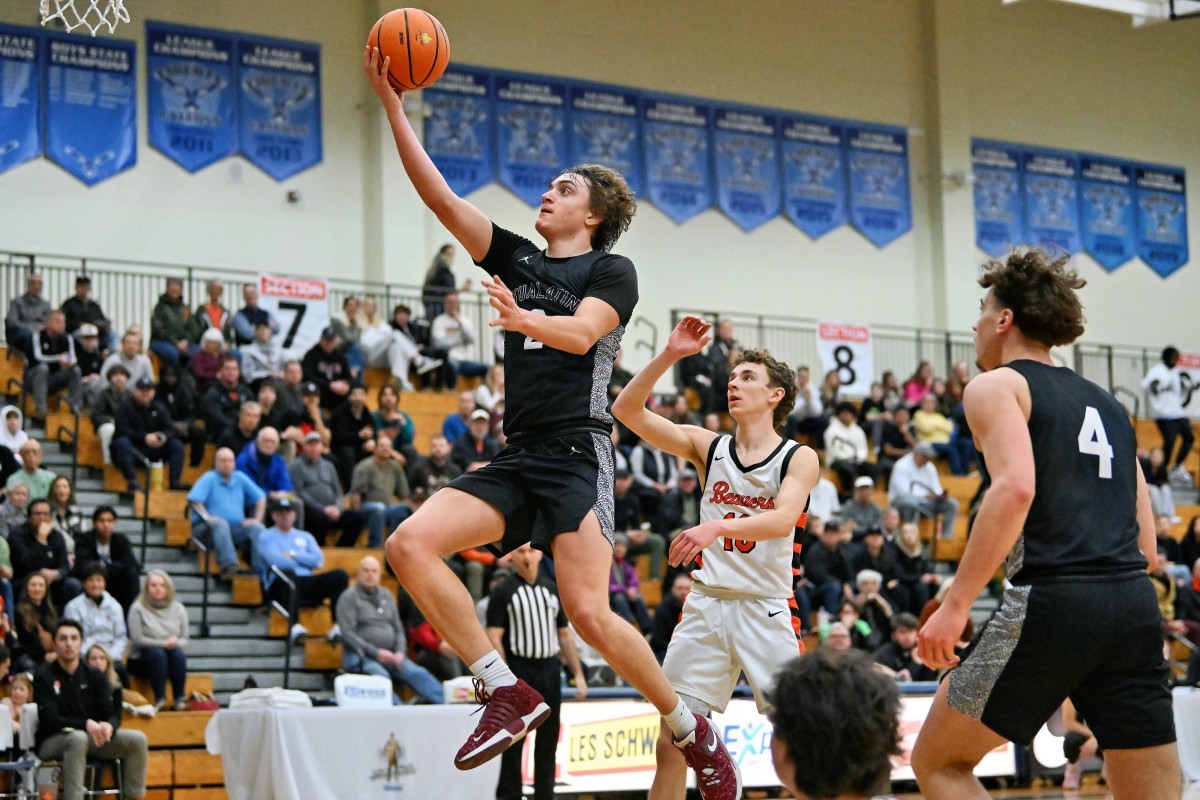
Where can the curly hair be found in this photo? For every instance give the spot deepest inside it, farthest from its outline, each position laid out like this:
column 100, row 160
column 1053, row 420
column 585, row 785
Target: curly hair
column 779, row 374
column 610, row 198
column 838, row 717
column 1041, row 294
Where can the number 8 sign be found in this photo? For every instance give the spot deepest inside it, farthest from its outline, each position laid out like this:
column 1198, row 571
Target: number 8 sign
column 846, row 347
column 300, row 305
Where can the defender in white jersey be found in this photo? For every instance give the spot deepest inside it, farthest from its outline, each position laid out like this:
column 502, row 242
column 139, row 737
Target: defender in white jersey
column 739, row 615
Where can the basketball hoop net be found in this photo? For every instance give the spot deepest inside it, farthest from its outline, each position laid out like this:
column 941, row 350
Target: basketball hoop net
column 99, row 13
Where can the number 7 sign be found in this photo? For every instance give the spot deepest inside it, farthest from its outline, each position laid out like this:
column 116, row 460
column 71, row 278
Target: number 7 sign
column 300, row 305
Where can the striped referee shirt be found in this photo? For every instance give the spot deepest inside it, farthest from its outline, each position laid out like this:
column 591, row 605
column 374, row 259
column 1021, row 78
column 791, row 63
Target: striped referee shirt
column 530, row 615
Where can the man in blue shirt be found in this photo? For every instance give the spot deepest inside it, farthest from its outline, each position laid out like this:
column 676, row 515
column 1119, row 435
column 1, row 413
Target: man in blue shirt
column 219, row 501
column 297, row 554
column 262, row 463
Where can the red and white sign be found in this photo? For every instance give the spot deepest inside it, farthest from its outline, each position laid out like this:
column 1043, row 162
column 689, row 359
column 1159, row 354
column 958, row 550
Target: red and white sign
column 847, row 348
column 301, row 305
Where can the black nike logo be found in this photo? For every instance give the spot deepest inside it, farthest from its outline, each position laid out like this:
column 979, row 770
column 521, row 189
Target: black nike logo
column 719, row 458
column 774, row 613
column 489, row 664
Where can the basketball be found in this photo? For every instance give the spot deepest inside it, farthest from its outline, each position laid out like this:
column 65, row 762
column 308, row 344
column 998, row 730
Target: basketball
column 417, row 44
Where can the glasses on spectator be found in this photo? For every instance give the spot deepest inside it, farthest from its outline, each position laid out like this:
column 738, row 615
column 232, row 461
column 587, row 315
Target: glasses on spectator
column 39, row 513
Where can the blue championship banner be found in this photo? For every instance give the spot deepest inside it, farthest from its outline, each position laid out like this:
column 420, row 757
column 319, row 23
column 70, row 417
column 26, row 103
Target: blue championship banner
column 279, row 105
column 605, row 130
column 880, row 207
column 1052, row 199
column 1161, row 217
column 1107, row 210
column 532, row 119
column 746, row 153
column 675, row 140
column 998, row 200
column 20, row 96
column 814, row 174
column 190, row 94
column 459, row 135
column 91, row 105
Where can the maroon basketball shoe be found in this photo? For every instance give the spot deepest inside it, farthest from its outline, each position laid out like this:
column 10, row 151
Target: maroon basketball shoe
column 509, row 713
column 717, row 774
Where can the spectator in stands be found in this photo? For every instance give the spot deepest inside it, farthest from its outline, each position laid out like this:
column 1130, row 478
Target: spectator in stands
column 82, row 310
column 827, row 566
column 296, row 553
column 723, row 344
column 212, row 315
column 899, row 655
column 439, row 282
column 914, row 489
column 53, row 365
column 158, row 639
column 877, row 610
column 835, row 637
column 1154, row 469
column 100, row 615
column 913, row 568
column 808, row 417
column 397, row 424
column 348, row 325
column 171, row 325
column 103, row 545
column 862, row 636
column 353, row 432
column 1176, row 568
column 1189, row 543
column 678, row 510
column 77, row 720
column 417, row 333
column 223, row 400
column 896, row 441
column 667, row 613
column 282, row 418
column 37, row 547
column 919, row 384
column 326, row 366
column 1166, row 398
column 249, row 423
column 376, row 335
column 219, row 501
column 861, row 509
column 956, row 383
column 452, row 332
column 262, row 359
column 246, row 319
column 312, row 418
column 206, row 361
column 380, row 482
column 476, row 447
column 20, row 693
column 872, row 414
column 695, row 376
column 99, row 659
column 290, row 388
column 12, row 433
column 654, row 472
column 846, row 447
column 1168, row 597
column 624, row 588
column 874, row 554
column 34, row 621
column 315, row 482
column 930, row 425
column 436, row 469
column 90, row 359
column 12, row 510
column 823, row 500
column 36, row 479
column 129, row 356
column 178, row 394
column 489, row 395
column 65, row 515
column 263, row 464
column 831, row 391
column 26, row 315
column 458, row 423
column 144, row 427
column 400, row 347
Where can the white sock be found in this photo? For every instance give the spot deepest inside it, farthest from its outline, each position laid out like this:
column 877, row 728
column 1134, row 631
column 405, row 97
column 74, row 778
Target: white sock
column 680, row 721
column 492, row 670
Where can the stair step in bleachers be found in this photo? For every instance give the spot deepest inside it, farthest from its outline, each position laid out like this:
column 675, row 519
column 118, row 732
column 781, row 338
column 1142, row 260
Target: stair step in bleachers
column 317, row 620
column 321, row 654
column 196, row 682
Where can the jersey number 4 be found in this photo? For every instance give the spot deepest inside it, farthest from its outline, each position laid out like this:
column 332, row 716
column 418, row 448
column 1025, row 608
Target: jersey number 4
column 1093, row 441
column 741, row 545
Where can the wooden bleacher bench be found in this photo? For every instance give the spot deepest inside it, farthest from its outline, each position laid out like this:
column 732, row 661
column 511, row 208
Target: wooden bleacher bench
column 172, row 728
column 196, row 682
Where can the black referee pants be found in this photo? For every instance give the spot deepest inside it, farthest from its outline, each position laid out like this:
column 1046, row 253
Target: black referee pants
column 545, row 676
column 1171, row 429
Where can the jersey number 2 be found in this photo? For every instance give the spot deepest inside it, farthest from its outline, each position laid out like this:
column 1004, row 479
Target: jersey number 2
column 530, row 342
column 1093, row 441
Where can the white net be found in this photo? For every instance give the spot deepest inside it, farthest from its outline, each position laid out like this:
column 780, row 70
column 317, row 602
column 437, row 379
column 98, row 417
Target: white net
column 95, row 14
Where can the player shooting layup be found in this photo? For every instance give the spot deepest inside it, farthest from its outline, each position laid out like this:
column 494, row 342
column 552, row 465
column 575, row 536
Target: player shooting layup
column 564, row 310
column 739, row 615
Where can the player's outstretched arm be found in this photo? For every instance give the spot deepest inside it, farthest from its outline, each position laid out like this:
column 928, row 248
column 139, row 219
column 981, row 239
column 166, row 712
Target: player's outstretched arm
column 466, row 223
column 686, row 441
column 996, row 404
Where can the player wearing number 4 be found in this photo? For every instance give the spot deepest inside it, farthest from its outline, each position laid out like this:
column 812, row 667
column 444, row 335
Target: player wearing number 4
column 1069, row 508
column 564, row 310
column 741, row 615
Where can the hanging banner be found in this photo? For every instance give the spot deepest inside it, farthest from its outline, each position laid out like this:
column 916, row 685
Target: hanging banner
column 746, row 153
column 458, row 129
column 532, row 134
column 1052, row 199
column 300, row 305
column 1161, row 218
column 20, row 96
column 605, row 130
column 190, row 94
column 91, row 105
column 279, row 105
column 880, row 207
column 814, row 174
column 678, row 176
column 998, row 200
column 1107, row 210
column 847, row 348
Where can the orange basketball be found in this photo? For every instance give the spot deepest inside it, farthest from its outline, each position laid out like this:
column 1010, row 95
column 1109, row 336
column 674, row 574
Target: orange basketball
column 417, row 44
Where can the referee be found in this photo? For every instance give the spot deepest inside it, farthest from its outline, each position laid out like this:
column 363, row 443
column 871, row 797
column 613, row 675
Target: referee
column 526, row 623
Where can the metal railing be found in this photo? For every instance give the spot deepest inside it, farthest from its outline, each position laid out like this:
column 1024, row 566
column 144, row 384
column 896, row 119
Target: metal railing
column 205, row 577
column 291, row 612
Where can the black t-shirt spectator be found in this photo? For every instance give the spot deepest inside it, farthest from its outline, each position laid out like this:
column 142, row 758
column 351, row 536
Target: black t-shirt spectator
column 891, row 656
column 69, row 700
column 324, row 368
column 467, row 450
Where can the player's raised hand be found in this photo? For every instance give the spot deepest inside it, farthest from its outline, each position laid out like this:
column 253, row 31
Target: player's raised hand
column 501, row 299
column 937, row 637
column 689, row 337
column 376, row 68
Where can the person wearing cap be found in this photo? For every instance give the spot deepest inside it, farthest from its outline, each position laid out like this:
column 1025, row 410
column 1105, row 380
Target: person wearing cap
column 325, row 365
column 245, row 320
column 453, row 333
column 219, row 501
column 296, row 553
column 915, row 490
column 143, row 426
column 104, row 407
column 315, row 482
column 379, row 483
column 90, row 359
column 137, row 365
column 477, row 445
column 82, row 310
column 220, row 404
column 206, row 362
column 861, row 509
column 53, row 365
column 353, row 431
column 262, row 359
column 312, row 418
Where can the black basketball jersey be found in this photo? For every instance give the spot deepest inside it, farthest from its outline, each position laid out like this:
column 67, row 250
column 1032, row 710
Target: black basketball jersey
column 1083, row 521
column 548, row 390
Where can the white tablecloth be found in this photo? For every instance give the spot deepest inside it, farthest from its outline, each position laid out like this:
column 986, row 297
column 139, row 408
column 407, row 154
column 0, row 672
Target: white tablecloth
column 1187, row 730
column 323, row 753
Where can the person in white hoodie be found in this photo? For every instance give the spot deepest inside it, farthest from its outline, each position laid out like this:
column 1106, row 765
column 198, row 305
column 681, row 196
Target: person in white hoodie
column 846, row 448
column 101, row 616
column 12, row 434
column 1168, row 393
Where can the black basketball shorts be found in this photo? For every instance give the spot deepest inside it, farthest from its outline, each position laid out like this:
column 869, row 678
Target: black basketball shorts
column 547, row 486
column 1095, row 640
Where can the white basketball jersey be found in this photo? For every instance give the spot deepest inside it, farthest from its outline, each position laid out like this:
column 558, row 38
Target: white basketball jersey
column 760, row 569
